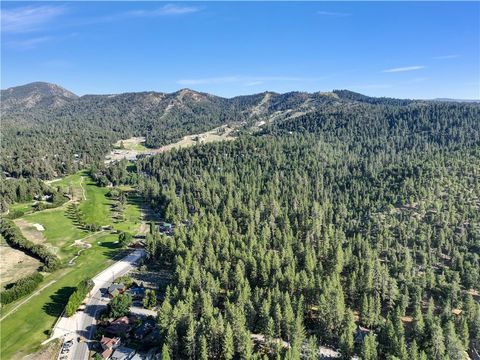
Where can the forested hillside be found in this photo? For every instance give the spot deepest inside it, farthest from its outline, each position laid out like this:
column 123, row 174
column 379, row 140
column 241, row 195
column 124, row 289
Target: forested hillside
column 48, row 131
column 345, row 221
column 356, row 227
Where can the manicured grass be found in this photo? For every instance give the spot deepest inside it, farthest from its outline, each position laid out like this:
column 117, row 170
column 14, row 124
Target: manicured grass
column 132, row 215
column 23, row 331
column 60, row 231
column 96, row 208
column 71, row 183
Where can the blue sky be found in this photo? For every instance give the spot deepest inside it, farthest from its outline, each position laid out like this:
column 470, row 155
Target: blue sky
column 406, row 50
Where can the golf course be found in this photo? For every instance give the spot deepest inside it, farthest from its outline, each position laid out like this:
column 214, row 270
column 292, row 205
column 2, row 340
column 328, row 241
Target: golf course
column 27, row 322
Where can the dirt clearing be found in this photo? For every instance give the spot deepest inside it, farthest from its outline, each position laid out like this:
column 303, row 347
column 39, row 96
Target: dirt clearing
column 15, row 264
column 31, row 231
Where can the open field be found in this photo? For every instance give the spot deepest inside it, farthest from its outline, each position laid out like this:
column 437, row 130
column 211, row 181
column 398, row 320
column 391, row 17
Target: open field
column 15, row 264
column 133, row 146
column 222, row 133
column 134, row 143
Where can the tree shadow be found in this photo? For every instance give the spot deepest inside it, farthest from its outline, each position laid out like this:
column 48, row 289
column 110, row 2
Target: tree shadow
column 58, row 300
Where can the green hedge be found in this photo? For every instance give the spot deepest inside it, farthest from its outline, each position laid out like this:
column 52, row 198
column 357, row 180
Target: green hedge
column 21, row 288
column 75, row 300
column 16, row 240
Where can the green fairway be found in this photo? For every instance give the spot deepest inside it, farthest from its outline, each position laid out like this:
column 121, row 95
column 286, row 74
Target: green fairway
column 24, row 330
column 60, row 231
column 132, row 215
column 96, row 208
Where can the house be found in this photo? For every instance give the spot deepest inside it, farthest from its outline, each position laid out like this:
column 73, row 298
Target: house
column 119, row 326
column 115, row 289
column 108, row 346
column 137, row 293
column 361, row 333
column 123, row 353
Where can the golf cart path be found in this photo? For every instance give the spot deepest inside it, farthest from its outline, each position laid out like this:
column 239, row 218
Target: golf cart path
column 27, row 299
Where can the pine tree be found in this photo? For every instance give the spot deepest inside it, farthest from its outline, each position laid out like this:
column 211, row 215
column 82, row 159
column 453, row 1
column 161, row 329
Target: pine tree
column 369, row 348
column 347, row 335
column 165, row 352
column 228, row 347
column 203, row 348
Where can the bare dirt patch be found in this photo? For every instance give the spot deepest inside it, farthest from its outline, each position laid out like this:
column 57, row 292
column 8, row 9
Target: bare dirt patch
column 30, row 231
column 133, row 147
column 15, row 264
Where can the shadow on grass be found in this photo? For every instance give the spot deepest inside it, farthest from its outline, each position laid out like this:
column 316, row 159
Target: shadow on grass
column 58, row 301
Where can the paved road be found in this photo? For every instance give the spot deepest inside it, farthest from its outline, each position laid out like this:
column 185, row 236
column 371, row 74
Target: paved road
column 83, row 322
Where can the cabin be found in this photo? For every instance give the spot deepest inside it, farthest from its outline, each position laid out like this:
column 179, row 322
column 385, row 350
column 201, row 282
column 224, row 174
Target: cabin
column 108, row 346
column 123, row 353
column 119, row 326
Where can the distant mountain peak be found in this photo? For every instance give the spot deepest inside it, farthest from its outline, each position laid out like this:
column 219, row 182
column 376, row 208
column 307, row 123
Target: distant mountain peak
column 35, row 94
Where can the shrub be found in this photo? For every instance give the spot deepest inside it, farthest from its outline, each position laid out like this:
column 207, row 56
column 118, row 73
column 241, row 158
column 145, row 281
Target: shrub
column 75, row 300
column 16, row 240
column 21, row 288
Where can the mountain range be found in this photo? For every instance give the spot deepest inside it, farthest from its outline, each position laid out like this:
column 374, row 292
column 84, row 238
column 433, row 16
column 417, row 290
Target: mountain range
column 48, row 130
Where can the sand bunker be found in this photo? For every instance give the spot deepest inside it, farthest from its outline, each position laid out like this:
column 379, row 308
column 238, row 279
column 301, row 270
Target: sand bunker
column 39, row 227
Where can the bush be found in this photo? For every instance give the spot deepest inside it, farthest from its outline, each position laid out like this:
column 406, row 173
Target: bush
column 75, row 300
column 15, row 214
column 125, row 238
column 21, row 288
column 16, row 240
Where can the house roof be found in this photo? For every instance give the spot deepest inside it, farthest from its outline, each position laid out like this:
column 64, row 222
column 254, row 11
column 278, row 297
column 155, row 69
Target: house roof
column 123, row 353
column 119, row 326
column 115, row 289
column 106, row 354
column 108, row 343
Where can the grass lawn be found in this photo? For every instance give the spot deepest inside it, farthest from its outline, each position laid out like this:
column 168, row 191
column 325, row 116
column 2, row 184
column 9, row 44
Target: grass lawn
column 132, row 215
column 23, row 331
column 23, row 207
column 96, row 208
column 60, row 231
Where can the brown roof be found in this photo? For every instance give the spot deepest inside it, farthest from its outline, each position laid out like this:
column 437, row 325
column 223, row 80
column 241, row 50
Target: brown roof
column 108, row 343
column 106, row 354
column 119, row 326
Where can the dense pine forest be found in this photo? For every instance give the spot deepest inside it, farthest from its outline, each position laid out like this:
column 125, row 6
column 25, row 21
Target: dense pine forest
column 356, row 228
column 346, row 221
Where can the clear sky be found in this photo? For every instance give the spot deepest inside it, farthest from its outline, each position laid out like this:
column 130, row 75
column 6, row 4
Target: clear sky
column 406, row 50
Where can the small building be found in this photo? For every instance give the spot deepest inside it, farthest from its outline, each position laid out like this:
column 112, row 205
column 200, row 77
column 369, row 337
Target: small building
column 137, row 293
column 115, row 289
column 123, row 353
column 119, row 326
column 108, row 346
